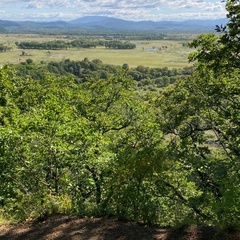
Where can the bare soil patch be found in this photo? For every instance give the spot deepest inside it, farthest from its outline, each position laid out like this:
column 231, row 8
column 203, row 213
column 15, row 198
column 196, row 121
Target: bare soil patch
column 61, row 227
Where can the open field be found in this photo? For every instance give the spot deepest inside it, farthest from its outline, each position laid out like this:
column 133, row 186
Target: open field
column 162, row 53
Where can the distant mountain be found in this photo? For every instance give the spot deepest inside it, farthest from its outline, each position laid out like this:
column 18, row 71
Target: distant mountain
column 97, row 22
column 88, row 19
column 5, row 23
column 206, row 23
column 42, row 25
column 101, row 23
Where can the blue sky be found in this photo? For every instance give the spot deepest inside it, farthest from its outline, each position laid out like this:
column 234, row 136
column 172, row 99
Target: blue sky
column 137, row 10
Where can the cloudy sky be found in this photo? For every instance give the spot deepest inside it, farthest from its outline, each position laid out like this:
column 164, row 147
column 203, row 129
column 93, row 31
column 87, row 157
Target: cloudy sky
column 52, row 10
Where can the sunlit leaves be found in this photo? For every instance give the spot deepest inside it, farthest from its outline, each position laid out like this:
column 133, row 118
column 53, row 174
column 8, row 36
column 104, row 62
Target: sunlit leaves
column 200, row 118
column 220, row 53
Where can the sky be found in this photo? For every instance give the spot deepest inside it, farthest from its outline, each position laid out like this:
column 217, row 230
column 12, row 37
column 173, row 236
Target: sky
column 136, row 10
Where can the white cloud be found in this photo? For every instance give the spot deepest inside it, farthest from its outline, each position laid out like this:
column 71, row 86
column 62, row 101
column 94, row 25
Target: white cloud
column 52, row 16
column 126, row 9
column 48, row 4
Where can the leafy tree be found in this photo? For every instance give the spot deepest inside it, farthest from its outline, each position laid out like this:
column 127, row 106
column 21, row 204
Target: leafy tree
column 99, row 147
column 4, row 48
column 200, row 116
column 60, row 143
column 32, row 146
column 221, row 53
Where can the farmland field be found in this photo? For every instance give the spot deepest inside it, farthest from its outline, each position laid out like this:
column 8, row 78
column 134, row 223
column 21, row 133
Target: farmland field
column 161, row 53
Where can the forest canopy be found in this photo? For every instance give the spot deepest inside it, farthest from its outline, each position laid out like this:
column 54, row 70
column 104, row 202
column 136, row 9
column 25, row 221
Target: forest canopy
column 100, row 147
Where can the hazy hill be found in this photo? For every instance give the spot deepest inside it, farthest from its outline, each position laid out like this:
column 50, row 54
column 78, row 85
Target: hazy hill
column 112, row 24
column 94, row 22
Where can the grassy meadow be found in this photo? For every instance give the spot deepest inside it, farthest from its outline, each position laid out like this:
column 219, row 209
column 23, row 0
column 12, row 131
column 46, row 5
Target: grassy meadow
column 162, row 53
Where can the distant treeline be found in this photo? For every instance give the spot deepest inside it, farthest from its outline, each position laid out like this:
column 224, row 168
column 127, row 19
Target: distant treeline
column 79, row 43
column 119, row 45
column 4, row 48
column 86, row 69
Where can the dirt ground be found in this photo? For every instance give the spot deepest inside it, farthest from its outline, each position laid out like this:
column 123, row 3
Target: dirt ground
column 61, row 227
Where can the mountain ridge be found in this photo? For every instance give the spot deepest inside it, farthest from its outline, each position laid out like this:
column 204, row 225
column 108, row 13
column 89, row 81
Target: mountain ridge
column 113, row 24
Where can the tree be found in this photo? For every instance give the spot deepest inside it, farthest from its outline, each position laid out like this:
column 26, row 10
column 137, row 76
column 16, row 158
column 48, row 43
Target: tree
column 200, row 116
column 221, row 53
column 29, row 61
column 61, row 143
column 33, row 150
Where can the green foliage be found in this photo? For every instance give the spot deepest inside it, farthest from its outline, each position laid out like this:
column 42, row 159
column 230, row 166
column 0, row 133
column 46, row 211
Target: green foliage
column 4, row 48
column 79, row 43
column 95, row 146
column 221, row 53
column 85, row 69
column 119, row 45
column 59, row 142
column 200, row 118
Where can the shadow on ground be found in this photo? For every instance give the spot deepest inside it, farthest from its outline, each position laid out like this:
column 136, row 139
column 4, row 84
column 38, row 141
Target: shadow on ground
column 61, row 227
column 70, row 228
